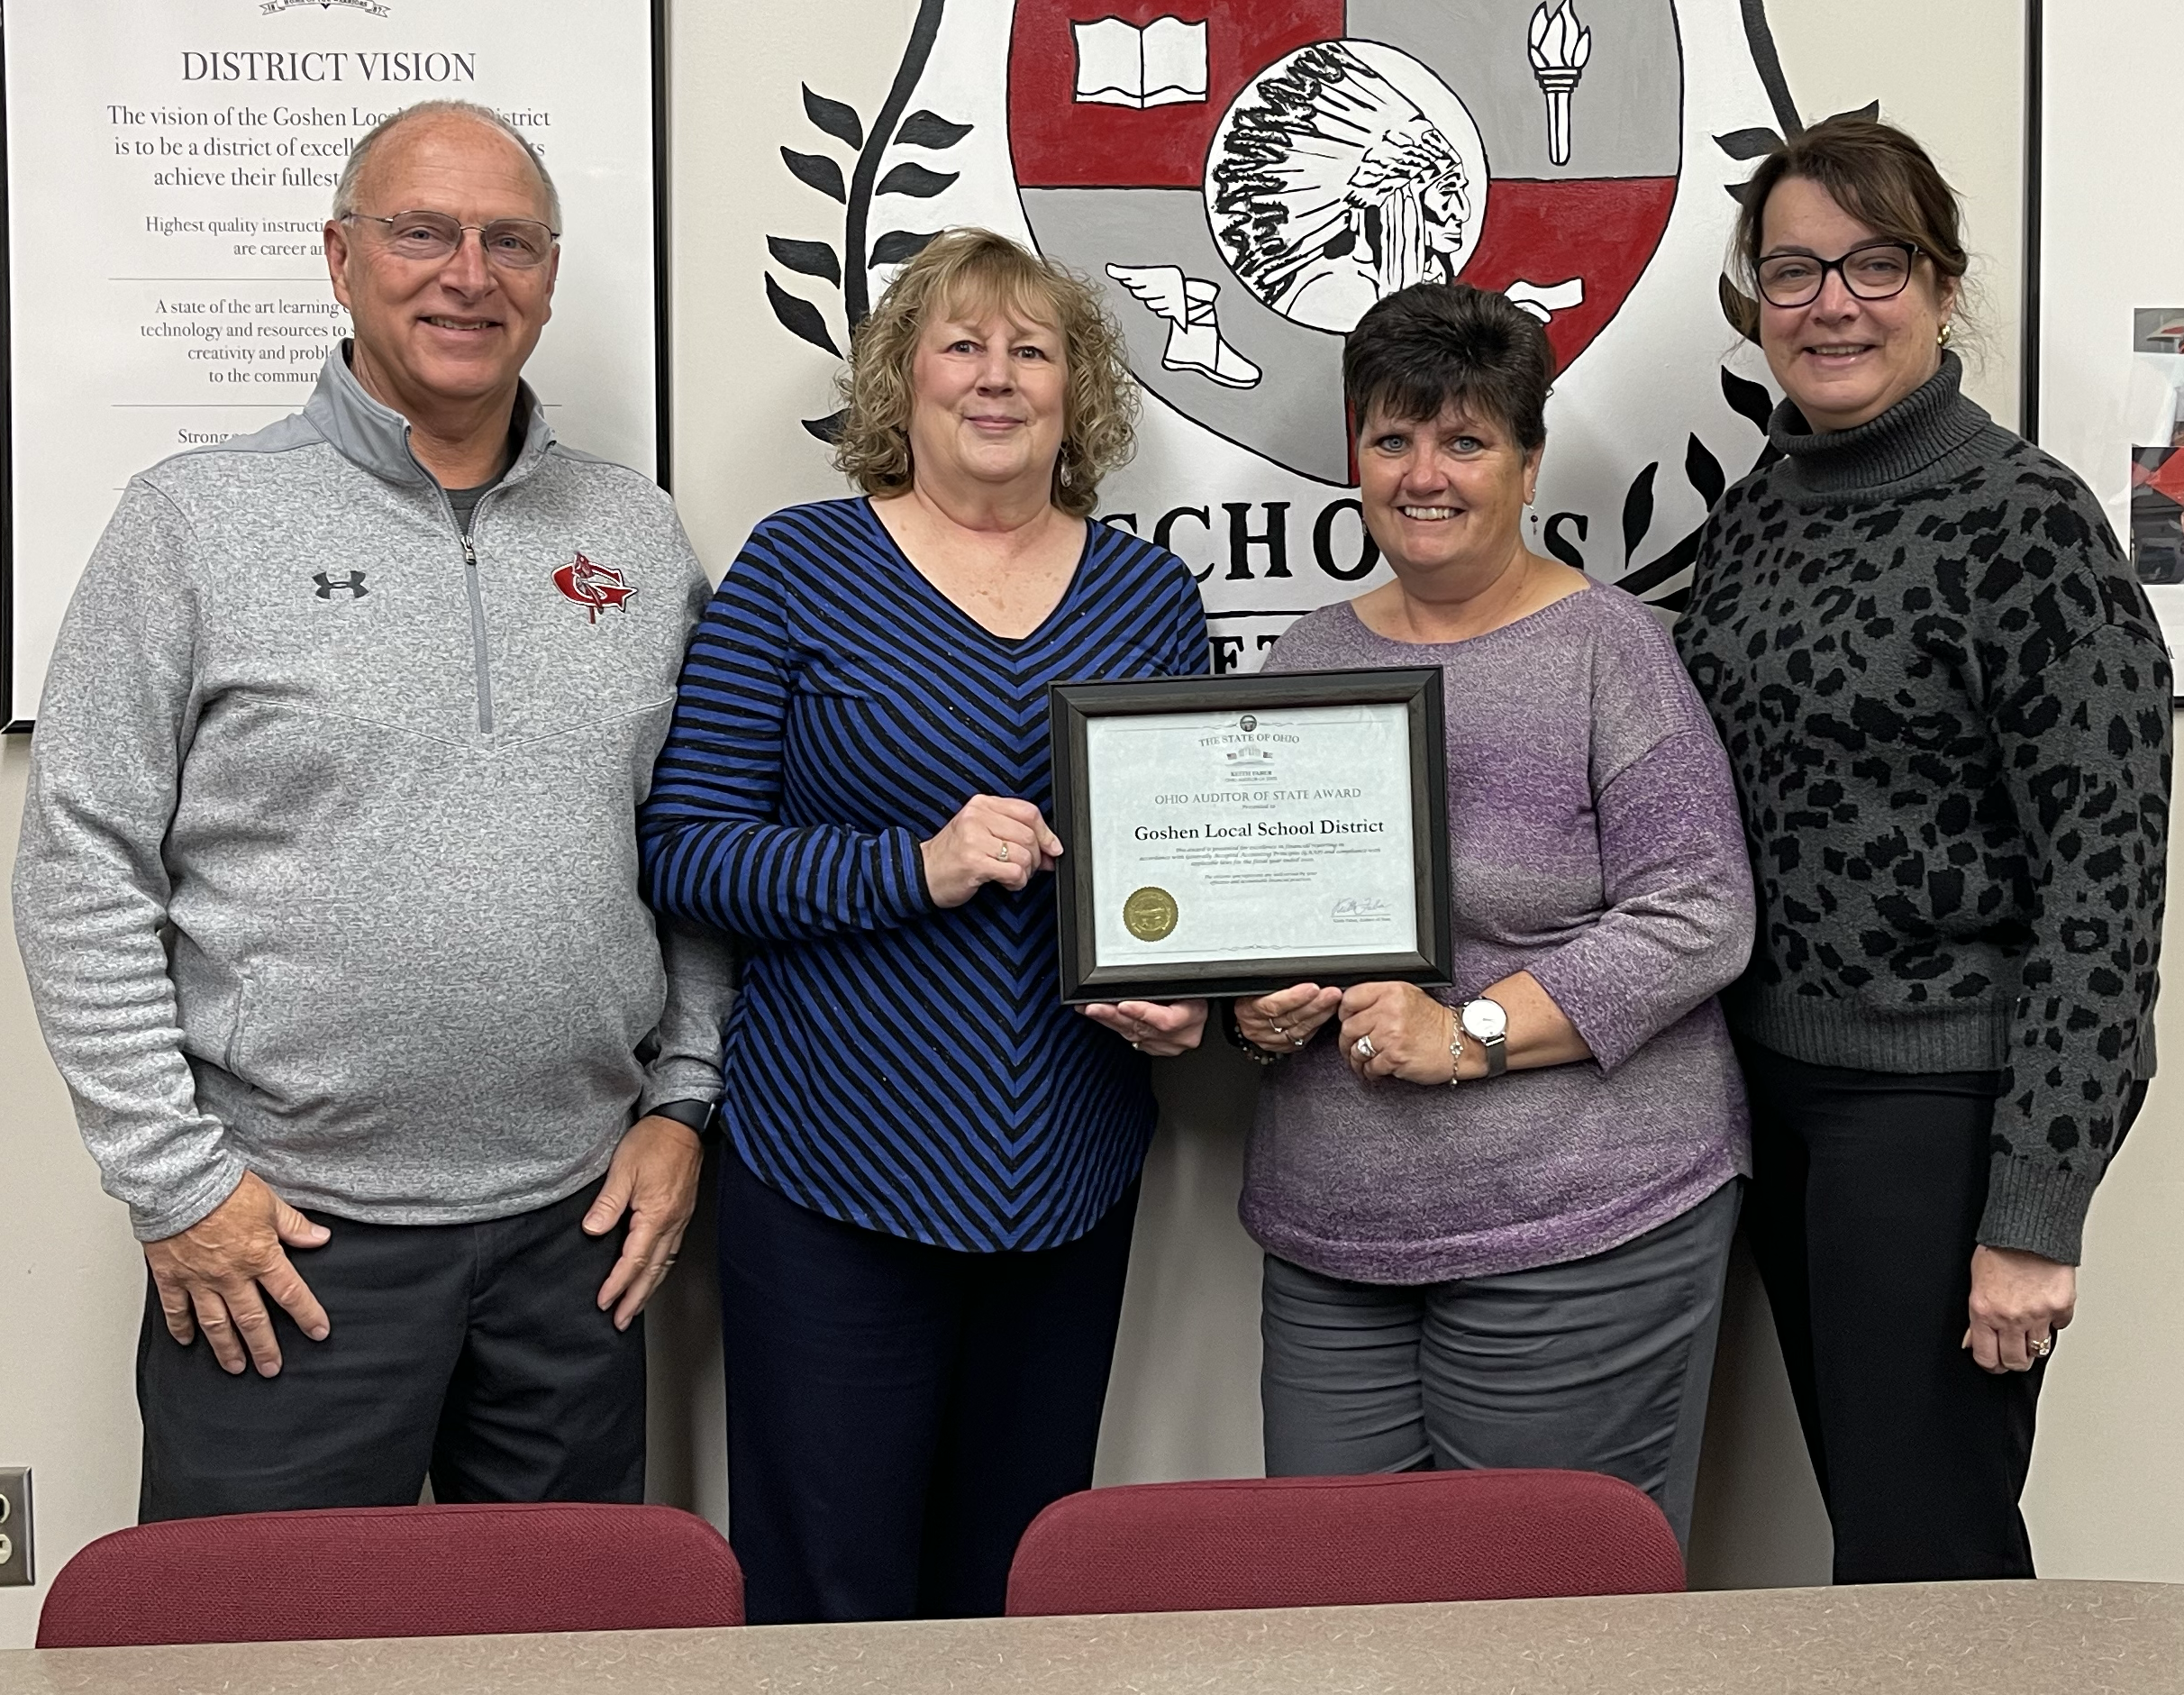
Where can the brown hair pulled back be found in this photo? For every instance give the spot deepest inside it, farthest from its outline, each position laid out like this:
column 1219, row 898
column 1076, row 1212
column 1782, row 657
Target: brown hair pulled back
column 1874, row 171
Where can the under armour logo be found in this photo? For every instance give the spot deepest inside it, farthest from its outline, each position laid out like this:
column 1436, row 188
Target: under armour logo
column 353, row 583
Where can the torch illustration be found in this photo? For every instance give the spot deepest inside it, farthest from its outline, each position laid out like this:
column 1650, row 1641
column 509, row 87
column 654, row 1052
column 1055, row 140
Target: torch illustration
column 1561, row 45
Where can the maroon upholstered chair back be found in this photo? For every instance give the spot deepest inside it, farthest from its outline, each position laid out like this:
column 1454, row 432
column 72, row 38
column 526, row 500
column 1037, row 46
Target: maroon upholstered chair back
column 1344, row 1541
column 395, row 1572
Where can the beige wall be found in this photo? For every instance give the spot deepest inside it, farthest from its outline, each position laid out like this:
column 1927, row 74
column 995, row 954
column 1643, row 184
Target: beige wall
column 2108, row 1492
column 73, row 1283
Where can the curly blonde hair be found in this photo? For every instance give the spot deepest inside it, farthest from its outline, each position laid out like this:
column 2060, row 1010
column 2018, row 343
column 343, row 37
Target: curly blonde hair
column 972, row 271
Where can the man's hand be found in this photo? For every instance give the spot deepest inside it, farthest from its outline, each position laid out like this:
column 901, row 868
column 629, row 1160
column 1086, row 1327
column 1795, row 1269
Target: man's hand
column 2019, row 1301
column 209, row 1277
column 654, row 1180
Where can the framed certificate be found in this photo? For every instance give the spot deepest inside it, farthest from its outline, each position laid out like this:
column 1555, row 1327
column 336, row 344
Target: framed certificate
column 1234, row 835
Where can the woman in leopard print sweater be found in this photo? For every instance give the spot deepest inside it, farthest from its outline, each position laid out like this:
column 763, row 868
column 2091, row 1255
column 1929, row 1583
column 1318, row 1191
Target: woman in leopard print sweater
column 1947, row 707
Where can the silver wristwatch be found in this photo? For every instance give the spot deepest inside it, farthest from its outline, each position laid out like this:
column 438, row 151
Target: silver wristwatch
column 1486, row 1023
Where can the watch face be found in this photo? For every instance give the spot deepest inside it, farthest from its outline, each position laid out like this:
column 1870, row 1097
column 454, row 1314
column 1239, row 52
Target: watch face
column 1484, row 1020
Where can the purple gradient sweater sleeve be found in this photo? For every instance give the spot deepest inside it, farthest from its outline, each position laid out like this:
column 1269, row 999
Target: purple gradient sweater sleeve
column 1678, row 927
column 1594, row 841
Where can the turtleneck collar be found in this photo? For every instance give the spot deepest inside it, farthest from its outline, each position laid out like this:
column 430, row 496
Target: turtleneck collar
column 1926, row 426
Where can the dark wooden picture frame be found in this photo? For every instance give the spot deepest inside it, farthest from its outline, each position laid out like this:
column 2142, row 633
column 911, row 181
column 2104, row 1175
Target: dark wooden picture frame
column 1069, row 708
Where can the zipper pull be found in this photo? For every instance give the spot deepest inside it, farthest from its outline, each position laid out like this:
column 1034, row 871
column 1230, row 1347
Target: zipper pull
column 469, row 553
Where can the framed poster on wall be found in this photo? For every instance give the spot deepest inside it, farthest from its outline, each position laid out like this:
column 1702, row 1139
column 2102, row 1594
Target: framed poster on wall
column 168, row 170
column 2108, row 261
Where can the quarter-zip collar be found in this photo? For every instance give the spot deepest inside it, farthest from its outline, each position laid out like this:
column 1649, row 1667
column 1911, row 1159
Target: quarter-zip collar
column 376, row 437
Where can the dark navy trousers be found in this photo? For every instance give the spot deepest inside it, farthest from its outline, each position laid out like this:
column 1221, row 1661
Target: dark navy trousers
column 897, row 1413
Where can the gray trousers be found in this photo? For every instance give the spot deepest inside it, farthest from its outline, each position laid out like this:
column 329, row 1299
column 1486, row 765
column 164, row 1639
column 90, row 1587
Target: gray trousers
column 1601, row 1364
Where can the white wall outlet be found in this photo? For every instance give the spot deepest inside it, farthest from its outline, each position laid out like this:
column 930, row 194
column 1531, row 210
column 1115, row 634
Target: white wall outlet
column 17, row 1565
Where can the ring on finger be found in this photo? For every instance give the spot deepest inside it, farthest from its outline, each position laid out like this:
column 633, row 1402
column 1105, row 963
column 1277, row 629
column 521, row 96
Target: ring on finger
column 1003, row 854
column 2040, row 1349
column 1363, row 1047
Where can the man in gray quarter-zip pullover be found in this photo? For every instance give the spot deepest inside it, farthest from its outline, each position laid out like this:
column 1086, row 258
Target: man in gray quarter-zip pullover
column 328, row 893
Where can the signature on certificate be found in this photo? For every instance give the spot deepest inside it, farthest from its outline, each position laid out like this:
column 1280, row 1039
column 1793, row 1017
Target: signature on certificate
column 1361, row 906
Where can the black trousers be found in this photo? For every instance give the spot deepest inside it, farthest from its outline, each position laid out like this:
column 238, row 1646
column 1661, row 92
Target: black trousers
column 475, row 1353
column 899, row 1413
column 1866, row 1197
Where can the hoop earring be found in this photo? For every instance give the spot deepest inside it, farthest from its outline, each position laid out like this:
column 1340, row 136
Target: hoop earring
column 1946, row 335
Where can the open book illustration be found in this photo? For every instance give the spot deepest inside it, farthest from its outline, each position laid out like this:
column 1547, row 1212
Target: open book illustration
column 1119, row 64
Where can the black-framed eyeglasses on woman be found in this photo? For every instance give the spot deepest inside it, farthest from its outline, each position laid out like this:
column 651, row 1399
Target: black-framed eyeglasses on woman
column 1876, row 270
column 512, row 243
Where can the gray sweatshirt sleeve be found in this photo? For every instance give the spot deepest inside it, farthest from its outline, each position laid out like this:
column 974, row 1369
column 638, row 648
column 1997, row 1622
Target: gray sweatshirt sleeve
column 91, row 888
column 700, row 961
column 701, row 987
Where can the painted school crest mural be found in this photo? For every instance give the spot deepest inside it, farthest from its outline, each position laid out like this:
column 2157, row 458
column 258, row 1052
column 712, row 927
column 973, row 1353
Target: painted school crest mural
column 1244, row 177
column 1250, row 178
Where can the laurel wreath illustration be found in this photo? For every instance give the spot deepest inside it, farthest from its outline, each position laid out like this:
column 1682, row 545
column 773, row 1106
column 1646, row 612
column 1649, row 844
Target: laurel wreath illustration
column 848, row 269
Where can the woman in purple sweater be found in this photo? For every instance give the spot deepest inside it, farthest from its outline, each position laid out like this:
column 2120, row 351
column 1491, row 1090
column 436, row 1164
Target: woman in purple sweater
column 1496, row 1218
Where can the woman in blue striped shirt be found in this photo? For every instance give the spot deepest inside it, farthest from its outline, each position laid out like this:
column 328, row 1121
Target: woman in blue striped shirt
column 931, row 1166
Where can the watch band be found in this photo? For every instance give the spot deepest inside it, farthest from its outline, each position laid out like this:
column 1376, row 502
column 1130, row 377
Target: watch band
column 701, row 1116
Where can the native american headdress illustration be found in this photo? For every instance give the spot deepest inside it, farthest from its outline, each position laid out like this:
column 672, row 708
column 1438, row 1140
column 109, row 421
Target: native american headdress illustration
column 1332, row 188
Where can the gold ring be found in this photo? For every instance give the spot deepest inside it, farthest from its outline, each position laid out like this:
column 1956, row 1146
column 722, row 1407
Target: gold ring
column 1003, row 854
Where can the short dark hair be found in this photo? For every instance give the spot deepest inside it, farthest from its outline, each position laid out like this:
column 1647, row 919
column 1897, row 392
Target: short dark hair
column 1874, row 171
column 1432, row 344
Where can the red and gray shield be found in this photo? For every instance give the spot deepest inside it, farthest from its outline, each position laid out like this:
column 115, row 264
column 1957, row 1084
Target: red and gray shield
column 1245, row 177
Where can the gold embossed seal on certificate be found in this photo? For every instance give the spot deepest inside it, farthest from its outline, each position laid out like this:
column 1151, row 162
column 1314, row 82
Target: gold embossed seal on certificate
column 1232, row 835
column 1150, row 914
